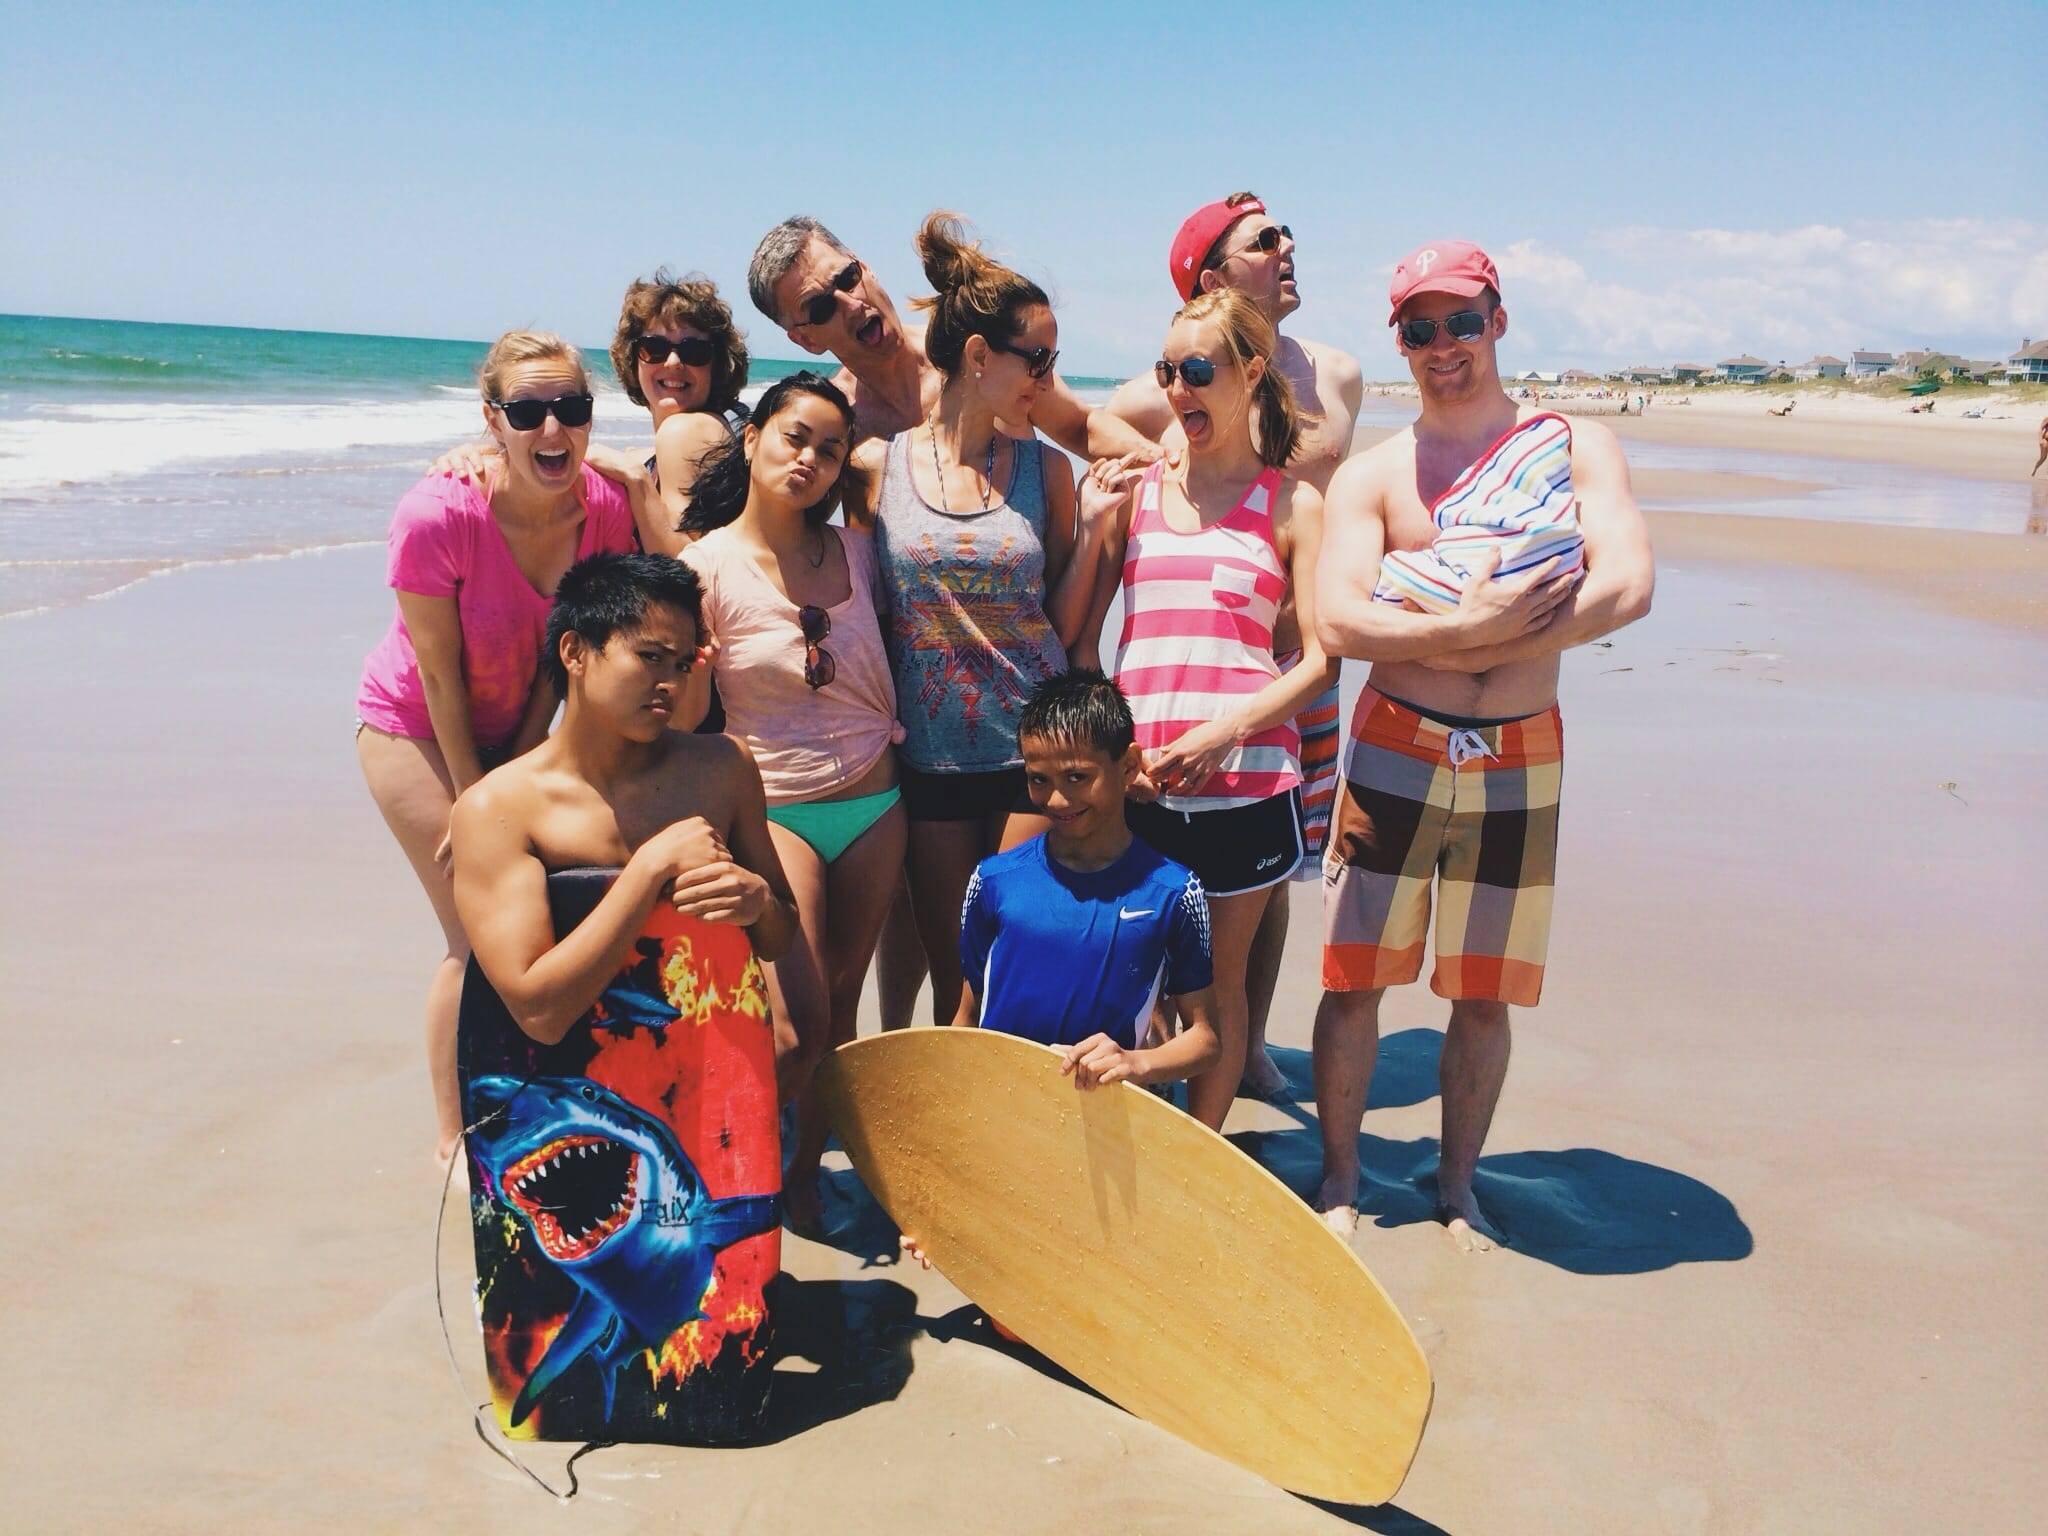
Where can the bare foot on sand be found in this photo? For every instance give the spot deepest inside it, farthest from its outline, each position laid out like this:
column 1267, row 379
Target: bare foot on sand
column 803, row 1207
column 1263, row 1079
column 1470, row 1231
column 1337, row 1203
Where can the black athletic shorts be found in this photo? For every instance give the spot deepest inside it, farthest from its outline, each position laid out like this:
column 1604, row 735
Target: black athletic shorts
column 963, row 796
column 1245, row 848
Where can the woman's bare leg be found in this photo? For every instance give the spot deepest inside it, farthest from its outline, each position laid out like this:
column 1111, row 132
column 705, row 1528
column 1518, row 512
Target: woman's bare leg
column 796, row 990
column 410, row 782
column 1233, row 921
column 899, row 966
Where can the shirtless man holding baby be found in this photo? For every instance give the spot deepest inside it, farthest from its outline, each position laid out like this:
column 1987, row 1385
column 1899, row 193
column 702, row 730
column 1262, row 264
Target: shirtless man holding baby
column 1455, row 750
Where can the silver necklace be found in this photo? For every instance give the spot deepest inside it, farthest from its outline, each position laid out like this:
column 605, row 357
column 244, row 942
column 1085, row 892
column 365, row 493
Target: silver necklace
column 988, row 470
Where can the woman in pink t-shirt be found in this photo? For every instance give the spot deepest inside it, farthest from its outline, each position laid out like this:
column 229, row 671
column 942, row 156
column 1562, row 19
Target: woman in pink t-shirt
column 454, row 688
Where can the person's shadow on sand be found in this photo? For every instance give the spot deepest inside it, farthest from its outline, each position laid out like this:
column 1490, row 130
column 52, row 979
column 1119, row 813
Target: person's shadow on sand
column 854, row 1334
column 1582, row 1209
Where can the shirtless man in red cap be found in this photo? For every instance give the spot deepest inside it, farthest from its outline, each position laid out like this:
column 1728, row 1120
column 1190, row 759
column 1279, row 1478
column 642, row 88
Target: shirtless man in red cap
column 1235, row 243
column 1456, row 749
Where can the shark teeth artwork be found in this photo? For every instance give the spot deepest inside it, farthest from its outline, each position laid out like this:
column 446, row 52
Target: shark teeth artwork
column 616, row 1205
column 576, row 1192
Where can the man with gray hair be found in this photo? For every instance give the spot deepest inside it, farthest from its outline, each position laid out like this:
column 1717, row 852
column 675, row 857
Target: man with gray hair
column 826, row 299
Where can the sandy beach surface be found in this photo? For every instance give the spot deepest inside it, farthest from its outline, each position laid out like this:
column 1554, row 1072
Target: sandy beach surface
column 1998, row 445
column 1770, row 1153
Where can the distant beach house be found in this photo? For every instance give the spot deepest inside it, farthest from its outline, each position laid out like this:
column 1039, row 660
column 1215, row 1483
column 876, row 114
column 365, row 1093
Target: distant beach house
column 1919, row 365
column 1868, row 365
column 2029, row 364
column 1977, row 370
column 1822, row 367
column 1744, row 369
column 1689, row 373
column 1644, row 374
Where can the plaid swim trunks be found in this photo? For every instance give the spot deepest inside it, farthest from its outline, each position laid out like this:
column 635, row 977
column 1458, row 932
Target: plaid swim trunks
column 1475, row 812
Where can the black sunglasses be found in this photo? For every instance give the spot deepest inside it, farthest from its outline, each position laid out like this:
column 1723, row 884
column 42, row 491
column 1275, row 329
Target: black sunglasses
column 690, row 351
column 1038, row 361
column 1266, row 240
column 817, row 309
column 1465, row 325
column 816, row 623
column 527, row 415
column 1195, row 372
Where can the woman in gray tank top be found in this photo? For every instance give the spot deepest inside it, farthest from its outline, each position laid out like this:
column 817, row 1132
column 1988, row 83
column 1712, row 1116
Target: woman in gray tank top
column 988, row 578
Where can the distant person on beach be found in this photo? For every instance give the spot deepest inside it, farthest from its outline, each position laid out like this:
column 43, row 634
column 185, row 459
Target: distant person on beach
column 827, row 300
column 456, row 685
column 1456, row 751
column 681, row 814
column 988, row 559
column 1128, row 924
column 2043, row 458
column 1235, row 243
column 1212, row 544
column 791, row 616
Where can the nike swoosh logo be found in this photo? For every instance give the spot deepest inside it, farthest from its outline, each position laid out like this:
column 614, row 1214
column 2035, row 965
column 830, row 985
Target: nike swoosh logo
column 1127, row 912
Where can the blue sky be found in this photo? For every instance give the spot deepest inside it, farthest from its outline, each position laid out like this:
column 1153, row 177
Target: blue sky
column 1658, row 182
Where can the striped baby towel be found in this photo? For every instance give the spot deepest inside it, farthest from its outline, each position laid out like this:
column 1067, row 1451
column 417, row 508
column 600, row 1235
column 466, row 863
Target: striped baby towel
column 1517, row 499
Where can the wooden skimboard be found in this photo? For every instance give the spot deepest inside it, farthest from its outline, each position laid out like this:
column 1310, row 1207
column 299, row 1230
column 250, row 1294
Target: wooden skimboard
column 1140, row 1251
column 625, row 1190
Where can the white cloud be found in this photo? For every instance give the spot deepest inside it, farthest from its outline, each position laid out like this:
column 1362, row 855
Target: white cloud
column 1635, row 294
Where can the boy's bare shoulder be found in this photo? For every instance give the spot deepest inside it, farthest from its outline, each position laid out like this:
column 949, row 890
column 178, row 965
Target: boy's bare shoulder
column 709, row 767
column 506, row 795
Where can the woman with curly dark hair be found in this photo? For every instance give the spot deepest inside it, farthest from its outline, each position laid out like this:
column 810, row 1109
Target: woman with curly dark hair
column 677, row 352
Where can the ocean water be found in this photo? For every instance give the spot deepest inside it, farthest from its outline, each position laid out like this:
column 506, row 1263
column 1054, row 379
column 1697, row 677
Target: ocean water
column 130, row 449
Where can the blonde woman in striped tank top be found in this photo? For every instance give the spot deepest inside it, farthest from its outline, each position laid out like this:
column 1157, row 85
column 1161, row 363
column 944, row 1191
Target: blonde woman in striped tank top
column 1211, row 549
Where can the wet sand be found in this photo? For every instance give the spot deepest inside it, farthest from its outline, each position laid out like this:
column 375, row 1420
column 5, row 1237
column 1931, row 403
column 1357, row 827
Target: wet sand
column 1769, row 1151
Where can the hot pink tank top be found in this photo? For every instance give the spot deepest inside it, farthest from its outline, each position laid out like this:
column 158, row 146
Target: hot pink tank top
column 1199, row 610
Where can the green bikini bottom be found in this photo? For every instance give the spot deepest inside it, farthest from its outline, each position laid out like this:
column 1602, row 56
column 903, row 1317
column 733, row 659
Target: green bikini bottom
column 830, row 826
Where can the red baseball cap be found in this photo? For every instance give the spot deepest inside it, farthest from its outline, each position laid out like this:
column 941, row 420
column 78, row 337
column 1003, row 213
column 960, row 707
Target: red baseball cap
column 1443, row 266
column 1198, row 231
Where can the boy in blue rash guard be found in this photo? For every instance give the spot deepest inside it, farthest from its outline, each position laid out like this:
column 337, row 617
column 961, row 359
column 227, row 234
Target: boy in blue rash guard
column 1071, row 938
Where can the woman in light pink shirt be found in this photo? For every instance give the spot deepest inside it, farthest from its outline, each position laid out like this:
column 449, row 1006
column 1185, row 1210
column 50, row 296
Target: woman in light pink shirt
column 790, row 618
column 454, row 687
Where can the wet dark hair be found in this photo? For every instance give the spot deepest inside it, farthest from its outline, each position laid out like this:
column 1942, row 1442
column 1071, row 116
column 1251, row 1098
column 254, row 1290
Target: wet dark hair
column 720, row 492
column 1080, row 706
column 610, row 594
column 976, row 295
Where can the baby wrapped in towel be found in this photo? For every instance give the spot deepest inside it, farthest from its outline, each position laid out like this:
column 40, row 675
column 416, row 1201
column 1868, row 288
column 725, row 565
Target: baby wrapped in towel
column 1517, row 500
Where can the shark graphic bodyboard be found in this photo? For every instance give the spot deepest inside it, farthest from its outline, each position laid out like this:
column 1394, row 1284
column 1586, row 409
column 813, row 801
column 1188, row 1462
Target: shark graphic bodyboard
column 625, row 1191
column 1135, row 1247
